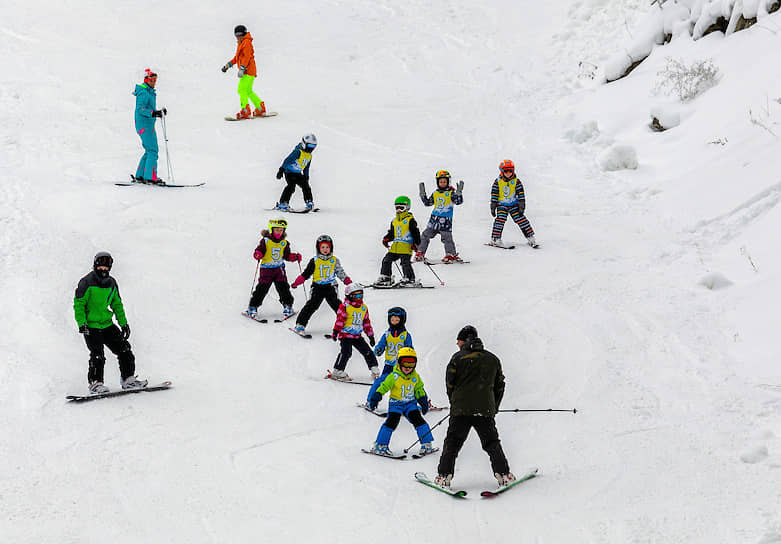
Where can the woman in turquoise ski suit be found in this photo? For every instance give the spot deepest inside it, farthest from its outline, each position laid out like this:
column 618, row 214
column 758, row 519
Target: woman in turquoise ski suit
column 146, row 111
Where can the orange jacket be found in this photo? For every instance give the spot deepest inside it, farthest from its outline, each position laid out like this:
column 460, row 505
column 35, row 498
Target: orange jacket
column 245, row 55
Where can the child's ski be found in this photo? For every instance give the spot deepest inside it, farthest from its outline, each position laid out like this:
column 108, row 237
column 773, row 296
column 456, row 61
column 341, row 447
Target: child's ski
column 389, row 455
column 330, row 376
column 528, row 476
column 422, row 478
column 255, row 319
column 375, row 412
column 501, row 246
column 134, row 181
column 419, row 455
column 291, row 210
column 301, row 334
column 285, row 318
column 267, row 114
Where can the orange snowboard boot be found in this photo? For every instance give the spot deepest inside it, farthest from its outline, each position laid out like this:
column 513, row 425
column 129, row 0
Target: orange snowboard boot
column 260, row 112
column 244, row 113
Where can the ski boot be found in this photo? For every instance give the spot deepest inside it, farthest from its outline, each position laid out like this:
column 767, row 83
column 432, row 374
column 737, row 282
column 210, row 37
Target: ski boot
column 409, row 282
column 450, row 259
column 132, row 382
column 380, row 449
column 504, row 479
column 310, row 205
column 259, row 112
column 96, row 388
column 419, row 256
column 532, row 242
column 300, row 329
column 287, row 311
column 426, row 448
column 443, row 480
column 282, row 206
column 252, row 312
column 384, row 281
column 245, row 113
column 339, row 374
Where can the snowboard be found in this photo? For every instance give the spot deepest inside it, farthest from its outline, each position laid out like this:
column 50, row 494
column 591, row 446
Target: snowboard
column 526, row 477
column 118, row 393
column 268, row 114
column 422, row 478
column 169, row 185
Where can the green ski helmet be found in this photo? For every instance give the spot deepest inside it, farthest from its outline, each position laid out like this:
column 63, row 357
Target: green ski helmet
column 402, row 203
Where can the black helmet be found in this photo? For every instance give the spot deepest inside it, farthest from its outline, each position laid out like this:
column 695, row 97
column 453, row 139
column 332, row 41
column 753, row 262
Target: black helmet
column 103, row 258
column 240, row 30
column 399, row 312
column 324, row 238
column 468, row 332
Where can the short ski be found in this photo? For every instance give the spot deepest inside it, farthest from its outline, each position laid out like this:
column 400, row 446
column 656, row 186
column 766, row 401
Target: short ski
column 118, row 393
column 528, row 476
column 301, row 334
column 285, row 318
column 399, row 285
column 434, row 263
column 500, row 246
column 419, row 455
column 256, row 319
column 375, row 412
column 291, row 210
column 389, row 456
column 330, row 376
column 422, row 478
column 267, row 114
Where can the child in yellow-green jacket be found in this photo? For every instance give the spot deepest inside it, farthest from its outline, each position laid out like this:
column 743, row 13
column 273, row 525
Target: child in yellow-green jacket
column 407, row 398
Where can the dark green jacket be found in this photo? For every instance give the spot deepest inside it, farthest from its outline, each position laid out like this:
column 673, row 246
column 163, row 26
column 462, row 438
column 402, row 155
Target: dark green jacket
column 474, row 381
column 94, row 297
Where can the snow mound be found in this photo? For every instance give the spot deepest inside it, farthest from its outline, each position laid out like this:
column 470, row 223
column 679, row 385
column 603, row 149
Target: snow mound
column 583, row 133
column 715, row 281
column 666, row 116
column 618, row 157
column 754, row 455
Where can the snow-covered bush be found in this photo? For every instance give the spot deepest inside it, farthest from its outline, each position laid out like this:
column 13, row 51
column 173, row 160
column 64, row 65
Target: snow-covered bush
column 618, row 157
column 583, row 133
column 686, row 81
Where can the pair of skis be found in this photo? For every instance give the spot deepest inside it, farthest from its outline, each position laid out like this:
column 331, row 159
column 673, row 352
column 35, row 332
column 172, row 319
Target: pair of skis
column 399, row 456
column 399, row 285
column 460, row 494
column 292, row 210
column 136, row 181
column 384, row 414
column 265, row 320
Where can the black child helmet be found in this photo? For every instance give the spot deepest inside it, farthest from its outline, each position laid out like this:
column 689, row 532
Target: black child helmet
column 399, row 312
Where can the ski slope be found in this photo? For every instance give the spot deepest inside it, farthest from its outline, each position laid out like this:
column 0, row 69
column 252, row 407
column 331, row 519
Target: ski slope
column 649, row 307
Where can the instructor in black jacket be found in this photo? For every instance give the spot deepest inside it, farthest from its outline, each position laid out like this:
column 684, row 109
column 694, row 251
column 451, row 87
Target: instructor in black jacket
column 475, row 387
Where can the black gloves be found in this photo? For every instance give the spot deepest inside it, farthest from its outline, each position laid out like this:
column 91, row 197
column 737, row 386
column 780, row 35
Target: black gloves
column 125, row 332
column 424, row 404
column 159, row 113
column 84, row 329
column 334, row 335
column 493, row 209
column 280, row 173
column 385, row 242
column 225, row 68
column 371, row 341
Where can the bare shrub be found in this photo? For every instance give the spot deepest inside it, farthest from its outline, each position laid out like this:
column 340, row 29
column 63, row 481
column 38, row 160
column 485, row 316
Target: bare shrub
column 685, row 81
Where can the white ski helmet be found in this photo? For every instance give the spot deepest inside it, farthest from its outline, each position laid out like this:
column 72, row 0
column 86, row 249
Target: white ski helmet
column 309, row 141
column 352, row 289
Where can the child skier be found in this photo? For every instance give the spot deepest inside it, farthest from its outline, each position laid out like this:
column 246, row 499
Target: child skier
column 507, row 197
column 245, row 58
column 352, row 319
column 145, row 114
column 441, row 220
column 295, row 168
column 402, row 238
column 95, row 294
column 408, row 399
column 272, row 252
column 392, row 340
column 323, row 268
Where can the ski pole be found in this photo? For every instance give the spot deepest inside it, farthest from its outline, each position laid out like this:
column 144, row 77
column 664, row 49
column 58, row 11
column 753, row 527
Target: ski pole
column 440, row 422
column 254, row 278
column 433, row 272
column 306, row 297
column 574, row 410
column 167, row 156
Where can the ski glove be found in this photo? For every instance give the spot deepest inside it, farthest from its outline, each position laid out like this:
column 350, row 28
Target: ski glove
column 374, row 400
column 84, row 329
column 125, row 332
column 493, row 209
column 258, row 255
column 160, row 113
column 295, row 257
column 422, row 187
column 378, row 351
column 424, row 404
column 242, row 70
column 460, row 187
column 299, row 281
column 347, row 280
column 334, row 335
column 385, row 242
column 372, row 341
column 225, row 68
column 280, row 173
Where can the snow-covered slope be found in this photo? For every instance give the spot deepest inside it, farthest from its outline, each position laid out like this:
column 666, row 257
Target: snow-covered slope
column 675, row 382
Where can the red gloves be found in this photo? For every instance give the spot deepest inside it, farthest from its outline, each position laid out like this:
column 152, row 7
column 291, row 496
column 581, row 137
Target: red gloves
column 295, row 257
column 299, row 280
column 347, row 280
column 258, row 255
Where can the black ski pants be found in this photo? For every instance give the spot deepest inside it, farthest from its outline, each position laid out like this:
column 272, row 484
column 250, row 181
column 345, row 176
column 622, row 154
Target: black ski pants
column 110, row 337
column 457, row 431
column 406, row 265
column 292, row 180
column 318, row 295
column 346, row 352
column 267, row 278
